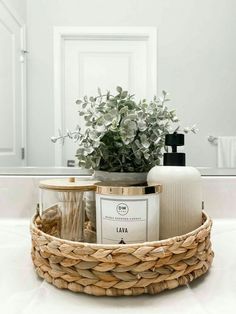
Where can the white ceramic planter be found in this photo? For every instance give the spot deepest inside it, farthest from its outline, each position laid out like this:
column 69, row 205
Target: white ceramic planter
column 137, row 177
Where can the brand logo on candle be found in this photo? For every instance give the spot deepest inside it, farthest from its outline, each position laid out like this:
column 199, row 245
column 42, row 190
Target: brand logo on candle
column 122, row 209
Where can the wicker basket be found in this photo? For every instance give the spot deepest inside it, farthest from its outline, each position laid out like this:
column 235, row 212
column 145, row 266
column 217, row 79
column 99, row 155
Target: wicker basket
column 115, row 270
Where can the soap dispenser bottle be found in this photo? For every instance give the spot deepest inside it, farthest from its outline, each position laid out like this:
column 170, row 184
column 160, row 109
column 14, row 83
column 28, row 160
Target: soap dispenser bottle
column 181, row 199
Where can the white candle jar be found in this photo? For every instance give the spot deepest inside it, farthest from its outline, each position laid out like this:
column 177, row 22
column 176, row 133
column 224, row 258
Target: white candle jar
column 127, row 214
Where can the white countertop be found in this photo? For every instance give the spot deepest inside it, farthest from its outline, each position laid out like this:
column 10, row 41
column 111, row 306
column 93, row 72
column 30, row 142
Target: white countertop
column 75, row 171
column 22, row 292
column 43, row 171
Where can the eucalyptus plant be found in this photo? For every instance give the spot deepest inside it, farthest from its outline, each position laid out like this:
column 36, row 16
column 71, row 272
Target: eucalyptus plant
column 123, row 135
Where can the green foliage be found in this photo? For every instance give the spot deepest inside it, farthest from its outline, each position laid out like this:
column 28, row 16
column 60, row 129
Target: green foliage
column 123, row 135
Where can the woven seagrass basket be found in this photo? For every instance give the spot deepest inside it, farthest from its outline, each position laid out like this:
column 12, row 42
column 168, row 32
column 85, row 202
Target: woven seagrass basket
column 115, row 270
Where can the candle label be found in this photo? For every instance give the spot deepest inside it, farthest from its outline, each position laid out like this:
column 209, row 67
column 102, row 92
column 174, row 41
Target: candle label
column 123, row 220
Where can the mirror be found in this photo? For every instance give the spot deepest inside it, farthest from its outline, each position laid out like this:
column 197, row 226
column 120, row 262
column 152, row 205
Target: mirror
column 55, row 52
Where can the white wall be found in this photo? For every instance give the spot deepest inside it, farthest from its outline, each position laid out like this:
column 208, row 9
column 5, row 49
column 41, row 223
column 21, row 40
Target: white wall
column 196, row 63
column 19, row 6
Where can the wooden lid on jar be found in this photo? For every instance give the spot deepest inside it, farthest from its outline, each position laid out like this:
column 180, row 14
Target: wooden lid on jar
column 69, row 184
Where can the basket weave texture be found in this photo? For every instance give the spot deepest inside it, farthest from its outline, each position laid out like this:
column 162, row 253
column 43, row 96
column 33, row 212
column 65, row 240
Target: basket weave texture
column 115, row 270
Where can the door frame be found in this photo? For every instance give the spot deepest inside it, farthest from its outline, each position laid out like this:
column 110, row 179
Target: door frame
column 149, row 34
column 22, row 60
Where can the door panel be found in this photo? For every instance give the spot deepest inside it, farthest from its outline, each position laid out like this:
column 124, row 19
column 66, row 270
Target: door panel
column 87, row 63
column 10, row 90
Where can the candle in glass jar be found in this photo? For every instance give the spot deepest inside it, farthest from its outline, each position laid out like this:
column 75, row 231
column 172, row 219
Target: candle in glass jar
column 127, row 214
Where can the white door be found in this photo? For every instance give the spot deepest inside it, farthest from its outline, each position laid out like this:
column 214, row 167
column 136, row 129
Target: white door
column 11, row 90
column 103, row 61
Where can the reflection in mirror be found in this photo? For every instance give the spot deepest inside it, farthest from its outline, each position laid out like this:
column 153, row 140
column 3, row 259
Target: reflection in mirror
column 183, row 47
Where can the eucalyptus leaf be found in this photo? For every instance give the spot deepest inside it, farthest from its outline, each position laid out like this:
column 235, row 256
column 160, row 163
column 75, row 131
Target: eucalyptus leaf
column 144, row 140
column 124, row 94
column 119, row 89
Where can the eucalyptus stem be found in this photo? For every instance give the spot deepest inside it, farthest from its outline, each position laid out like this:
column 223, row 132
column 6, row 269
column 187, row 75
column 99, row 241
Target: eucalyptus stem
column 122, row 133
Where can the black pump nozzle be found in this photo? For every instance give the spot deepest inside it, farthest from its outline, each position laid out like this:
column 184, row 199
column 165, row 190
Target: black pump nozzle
column 174, row 159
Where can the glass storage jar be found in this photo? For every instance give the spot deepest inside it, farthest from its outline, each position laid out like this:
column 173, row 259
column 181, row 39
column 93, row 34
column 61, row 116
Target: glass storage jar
column 63, row 204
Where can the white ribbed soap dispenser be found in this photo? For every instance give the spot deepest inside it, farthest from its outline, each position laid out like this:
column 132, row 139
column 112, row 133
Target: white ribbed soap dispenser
column 181, row 199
